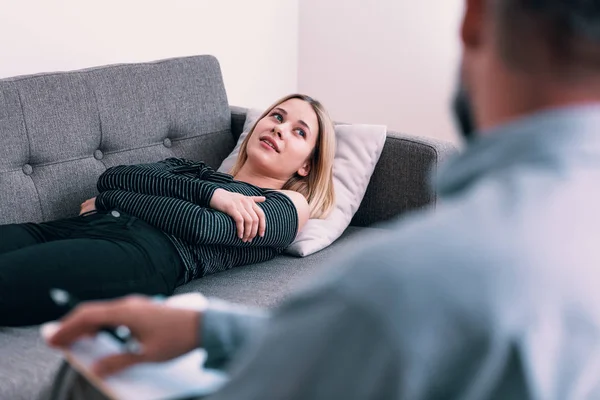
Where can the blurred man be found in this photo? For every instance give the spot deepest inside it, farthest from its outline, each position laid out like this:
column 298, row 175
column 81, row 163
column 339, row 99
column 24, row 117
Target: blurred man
column 493, row 296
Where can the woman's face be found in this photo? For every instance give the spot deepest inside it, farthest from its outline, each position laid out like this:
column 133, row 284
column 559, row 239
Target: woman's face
column 284, row 139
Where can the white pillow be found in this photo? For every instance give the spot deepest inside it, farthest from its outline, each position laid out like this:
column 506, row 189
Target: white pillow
column 358, row 150
column 251, row 116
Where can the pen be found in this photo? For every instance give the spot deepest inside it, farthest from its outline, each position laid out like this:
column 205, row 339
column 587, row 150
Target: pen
column 121, row 333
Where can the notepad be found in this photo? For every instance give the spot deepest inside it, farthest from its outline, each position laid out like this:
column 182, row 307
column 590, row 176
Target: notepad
column 179, row 378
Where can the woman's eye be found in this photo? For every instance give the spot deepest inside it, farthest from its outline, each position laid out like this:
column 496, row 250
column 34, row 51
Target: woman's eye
column 278, row 117
column 301, row 132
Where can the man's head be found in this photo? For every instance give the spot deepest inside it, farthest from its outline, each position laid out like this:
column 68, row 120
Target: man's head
column 521, row 56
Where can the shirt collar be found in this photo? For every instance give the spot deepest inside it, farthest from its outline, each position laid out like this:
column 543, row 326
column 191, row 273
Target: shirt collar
column 552, row 137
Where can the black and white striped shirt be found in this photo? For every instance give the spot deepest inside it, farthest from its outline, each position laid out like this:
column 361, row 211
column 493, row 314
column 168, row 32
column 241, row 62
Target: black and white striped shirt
column 174, row 196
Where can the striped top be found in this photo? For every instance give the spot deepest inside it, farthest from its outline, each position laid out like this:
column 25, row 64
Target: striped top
column 174, row 196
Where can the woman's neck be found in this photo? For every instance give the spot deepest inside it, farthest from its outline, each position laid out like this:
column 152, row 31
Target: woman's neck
column 252, row 177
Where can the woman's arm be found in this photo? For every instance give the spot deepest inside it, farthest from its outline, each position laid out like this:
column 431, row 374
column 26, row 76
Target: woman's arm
column 173, row 177
column 218, row 258
column 200, row 225
column 301, row 204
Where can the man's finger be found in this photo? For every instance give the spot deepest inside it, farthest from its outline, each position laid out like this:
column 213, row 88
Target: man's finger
column 85, row 320
column 113, row 364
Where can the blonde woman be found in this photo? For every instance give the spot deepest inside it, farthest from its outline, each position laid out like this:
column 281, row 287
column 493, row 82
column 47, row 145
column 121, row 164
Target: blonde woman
column 156, row 226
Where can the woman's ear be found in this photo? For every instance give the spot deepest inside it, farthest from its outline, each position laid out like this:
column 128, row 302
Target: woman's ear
column 305, row 169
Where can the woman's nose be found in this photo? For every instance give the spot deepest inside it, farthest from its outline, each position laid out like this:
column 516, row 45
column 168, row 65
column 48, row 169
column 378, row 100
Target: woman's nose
column 279, row 131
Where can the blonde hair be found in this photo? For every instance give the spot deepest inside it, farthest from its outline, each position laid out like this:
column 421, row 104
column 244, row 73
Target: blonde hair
column 317, row 186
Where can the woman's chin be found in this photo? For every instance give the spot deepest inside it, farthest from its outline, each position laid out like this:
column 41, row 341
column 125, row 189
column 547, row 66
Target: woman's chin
column 263, row 161
column 263, row 155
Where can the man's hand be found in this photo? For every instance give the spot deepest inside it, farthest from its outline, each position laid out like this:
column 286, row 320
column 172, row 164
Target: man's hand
column 88, row 205
column 248, row 216
column 163, row 332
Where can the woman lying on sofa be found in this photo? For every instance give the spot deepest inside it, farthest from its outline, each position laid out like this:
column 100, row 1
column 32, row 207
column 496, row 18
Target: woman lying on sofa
column 155, row 226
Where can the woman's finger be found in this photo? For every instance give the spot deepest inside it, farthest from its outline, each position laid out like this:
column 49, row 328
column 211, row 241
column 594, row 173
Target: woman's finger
column 252, row 212
column 87, row 206
column 247, row 222
column 262, row 219
column 239, row 222
column 258, row 199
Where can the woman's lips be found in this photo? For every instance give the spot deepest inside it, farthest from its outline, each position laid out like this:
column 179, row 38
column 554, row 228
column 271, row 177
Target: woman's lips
column 268, row 144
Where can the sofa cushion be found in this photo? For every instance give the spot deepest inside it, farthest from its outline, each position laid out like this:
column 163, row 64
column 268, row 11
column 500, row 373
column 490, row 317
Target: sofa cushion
column 60, row 131
column 267, row 284
column 27, row 365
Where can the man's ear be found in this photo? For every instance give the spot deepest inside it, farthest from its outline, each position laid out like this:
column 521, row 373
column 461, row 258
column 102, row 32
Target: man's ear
column 305, row 169
column 471, row 31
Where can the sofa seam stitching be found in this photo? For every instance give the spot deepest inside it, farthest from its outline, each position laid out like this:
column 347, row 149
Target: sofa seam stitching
column 120, row 151
column 99, row 121
column 205, row 134
column 29, row 149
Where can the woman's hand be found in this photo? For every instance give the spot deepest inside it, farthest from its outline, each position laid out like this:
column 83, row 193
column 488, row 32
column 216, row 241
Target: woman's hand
column 248, row 216
column 88, row 205
column 163, row 332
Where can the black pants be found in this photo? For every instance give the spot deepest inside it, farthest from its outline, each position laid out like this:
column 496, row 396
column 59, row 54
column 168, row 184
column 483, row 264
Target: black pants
column 96, row 256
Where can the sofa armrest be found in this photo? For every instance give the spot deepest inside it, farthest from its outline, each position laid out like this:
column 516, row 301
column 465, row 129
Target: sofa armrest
column 400, row 181
column 238, row 117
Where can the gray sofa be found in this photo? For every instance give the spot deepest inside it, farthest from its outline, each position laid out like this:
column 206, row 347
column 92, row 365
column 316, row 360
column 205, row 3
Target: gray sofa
column 59, row 131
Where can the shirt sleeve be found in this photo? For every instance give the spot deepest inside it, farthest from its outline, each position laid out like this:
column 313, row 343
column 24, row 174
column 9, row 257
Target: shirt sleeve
column 225, row 328
column 217, row 258
column 173, row 177
column 205, row 226
column 318, row 346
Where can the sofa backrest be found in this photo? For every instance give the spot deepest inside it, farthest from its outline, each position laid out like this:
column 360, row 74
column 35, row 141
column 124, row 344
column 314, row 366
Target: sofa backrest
column 60, row 131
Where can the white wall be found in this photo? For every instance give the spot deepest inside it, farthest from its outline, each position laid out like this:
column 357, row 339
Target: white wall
column 255, row 41
column 372, row 61
column 392, row 62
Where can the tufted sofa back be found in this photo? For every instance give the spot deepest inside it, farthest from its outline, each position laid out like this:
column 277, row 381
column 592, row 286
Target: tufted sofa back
column 60, row 131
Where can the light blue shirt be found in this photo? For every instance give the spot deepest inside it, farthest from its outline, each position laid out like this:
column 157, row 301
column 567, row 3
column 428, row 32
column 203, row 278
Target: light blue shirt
column 494, row 295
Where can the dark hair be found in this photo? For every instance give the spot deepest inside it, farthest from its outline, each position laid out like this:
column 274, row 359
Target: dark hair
column 568, row 29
